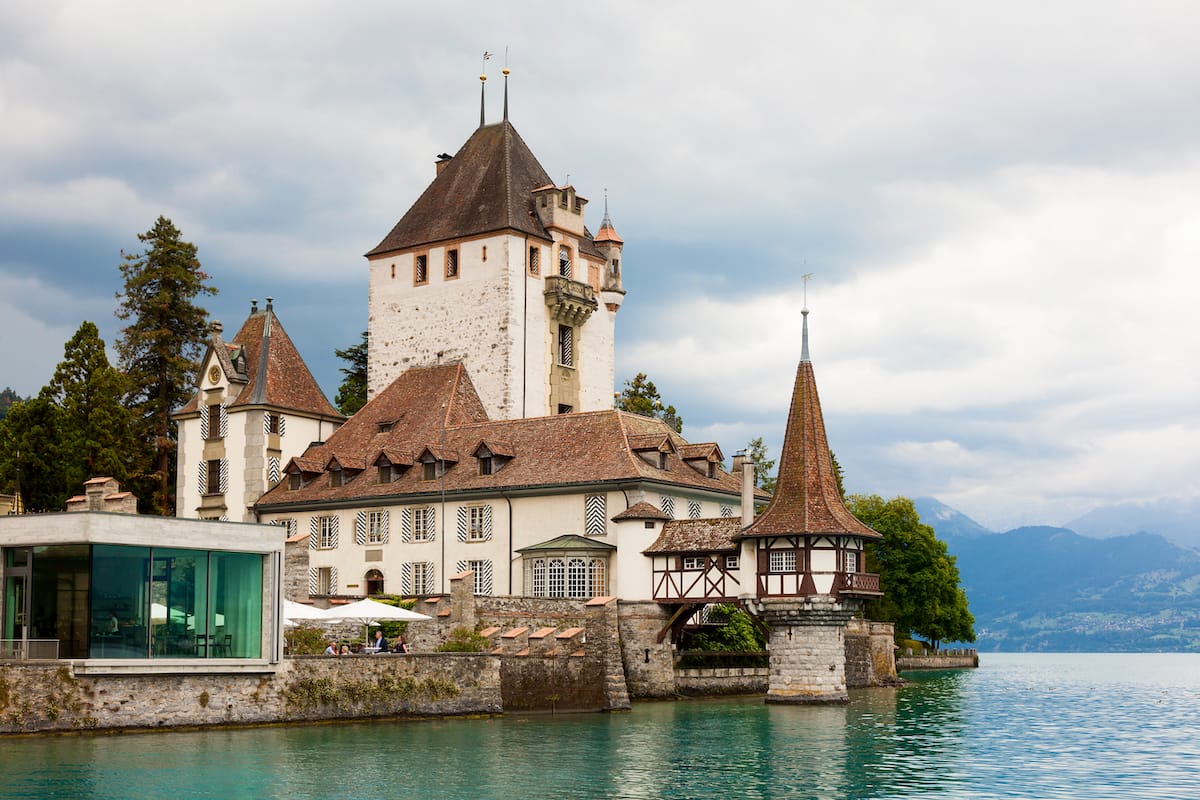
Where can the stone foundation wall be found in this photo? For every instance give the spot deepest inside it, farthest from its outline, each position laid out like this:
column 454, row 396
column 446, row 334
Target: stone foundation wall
column 870, row 654
column 50, row 697
column 722, row 680
column 944, row 659
column 649, row 665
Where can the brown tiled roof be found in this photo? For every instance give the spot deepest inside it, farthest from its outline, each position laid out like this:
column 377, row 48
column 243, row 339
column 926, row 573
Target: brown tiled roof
column 697, row 536
column 497, row 448
column 806, row 498
column 486, row 187
column 660, row 440
column 642, row 510
column 709, row 451
column 607, row 232
column 274, row 373
column 566, row 449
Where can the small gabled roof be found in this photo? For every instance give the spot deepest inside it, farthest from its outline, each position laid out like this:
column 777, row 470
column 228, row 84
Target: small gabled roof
column 346, row 461
column 485, row 188
column 642, row 510
column 568, row 541
column 660, row 441
column 705, row 451
column 395, row 456
column 715, row 535
column 496, row 448
column 439, row 453
column 302, row 464
column 806, row 499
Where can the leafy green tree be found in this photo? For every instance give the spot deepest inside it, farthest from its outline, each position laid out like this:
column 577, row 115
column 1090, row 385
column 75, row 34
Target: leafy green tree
column 640, row 396
column 352, row 394
column 756, row 451
column 918, row 576
column 160, row 347
column 95, row 428
column 29, row 436
column 837, row 475
column 737, row 635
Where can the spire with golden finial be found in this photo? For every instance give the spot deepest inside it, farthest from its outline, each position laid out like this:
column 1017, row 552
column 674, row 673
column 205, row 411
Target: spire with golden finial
column 482, row 83
column 505, row 71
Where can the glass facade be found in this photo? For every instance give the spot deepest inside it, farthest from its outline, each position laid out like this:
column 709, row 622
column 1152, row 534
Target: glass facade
column 117, row 601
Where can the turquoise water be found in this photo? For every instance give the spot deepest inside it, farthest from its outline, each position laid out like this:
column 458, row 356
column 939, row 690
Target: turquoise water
column 1022, row 726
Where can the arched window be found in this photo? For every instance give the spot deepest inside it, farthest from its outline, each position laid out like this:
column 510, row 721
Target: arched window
column 577, row 578
column 539, row 578
column 557, row 586
column 599, row 577
column 374, row 581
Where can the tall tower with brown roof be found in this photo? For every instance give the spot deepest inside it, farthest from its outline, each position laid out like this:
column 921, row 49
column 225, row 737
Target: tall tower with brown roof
column 256, row 406
column 494, row 267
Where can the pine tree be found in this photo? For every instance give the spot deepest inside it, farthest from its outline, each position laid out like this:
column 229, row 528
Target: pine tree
column 352, row 394
column 640, row 396
column 95, row 428
column 756, row 451
column 160, row 347
column 29, row 436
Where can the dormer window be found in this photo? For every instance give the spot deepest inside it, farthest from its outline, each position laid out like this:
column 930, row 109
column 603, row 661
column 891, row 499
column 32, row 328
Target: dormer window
column 662, row 460
column 385, row 427
column 432, row 470
column 294, row 481
column 335, row 476
column 385, row 473
column 712, row 469
column 487, row 465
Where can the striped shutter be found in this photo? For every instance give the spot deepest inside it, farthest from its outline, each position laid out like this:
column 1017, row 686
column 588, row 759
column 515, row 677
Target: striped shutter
column 384, row 526
column 594, row 512
column 566, row 347
column 203, row 482
column 224, row 477
column 462, row 567
column 430, row 523
column 462, row 523
column 312, row 580
column 282, row 424
column 406, row 525
column 726, row 511
column 333, row 580
column 483, row 577
column 406, row 584
column 694, row 509
column 224, row 421
column 487, row 523
column 360, row 528
column 430, row 579
column 668, row 505
column 333, row 523
column 314, row 533
column 203, row 422
column 274, row 474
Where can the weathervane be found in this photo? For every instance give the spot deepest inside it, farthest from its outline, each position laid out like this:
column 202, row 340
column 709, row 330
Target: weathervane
column 806, row 277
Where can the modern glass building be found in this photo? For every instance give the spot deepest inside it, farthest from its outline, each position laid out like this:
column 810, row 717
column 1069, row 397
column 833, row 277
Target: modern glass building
column 121, row 587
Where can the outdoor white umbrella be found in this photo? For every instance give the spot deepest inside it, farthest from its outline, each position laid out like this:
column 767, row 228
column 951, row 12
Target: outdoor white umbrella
column 294, row 613
column 370, row 612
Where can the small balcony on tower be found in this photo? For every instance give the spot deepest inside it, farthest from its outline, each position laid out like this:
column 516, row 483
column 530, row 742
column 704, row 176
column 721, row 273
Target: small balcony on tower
column 570, row 301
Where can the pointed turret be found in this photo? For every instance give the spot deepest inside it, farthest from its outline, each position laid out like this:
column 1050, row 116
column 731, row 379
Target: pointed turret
column 610, row 244
column 806, row 499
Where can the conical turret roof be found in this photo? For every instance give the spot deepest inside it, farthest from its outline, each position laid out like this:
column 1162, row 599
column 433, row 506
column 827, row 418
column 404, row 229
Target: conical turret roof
column 806, row 499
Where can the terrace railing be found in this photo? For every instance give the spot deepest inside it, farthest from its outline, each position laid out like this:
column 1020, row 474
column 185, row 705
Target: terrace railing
column 28, row 649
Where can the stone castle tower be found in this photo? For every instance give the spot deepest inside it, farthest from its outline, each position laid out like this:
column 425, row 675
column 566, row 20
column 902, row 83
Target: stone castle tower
column 494, row 267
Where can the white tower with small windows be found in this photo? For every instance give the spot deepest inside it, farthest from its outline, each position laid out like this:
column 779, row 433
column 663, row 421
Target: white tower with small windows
column 256, row 406
column 493, row 266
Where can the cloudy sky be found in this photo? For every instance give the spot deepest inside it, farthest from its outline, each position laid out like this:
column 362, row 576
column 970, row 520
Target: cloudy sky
column 999, row 203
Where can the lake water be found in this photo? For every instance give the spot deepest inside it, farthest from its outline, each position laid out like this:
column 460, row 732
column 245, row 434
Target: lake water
column 1022, row 726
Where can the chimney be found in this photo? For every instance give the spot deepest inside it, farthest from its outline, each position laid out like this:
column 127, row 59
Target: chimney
column 747, row 490
column 443, row 161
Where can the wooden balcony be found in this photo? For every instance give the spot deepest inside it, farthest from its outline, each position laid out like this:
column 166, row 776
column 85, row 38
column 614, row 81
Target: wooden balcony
column 802, row 584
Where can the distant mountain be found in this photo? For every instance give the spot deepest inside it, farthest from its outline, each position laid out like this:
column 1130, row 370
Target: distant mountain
column 1176, row 520
column 946, row 521
column 1043, row 588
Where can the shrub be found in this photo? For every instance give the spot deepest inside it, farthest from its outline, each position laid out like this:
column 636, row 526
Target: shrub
column 463, row 640
column 306, row 641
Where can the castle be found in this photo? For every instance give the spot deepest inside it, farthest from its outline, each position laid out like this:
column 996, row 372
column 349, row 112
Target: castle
column 489, row 443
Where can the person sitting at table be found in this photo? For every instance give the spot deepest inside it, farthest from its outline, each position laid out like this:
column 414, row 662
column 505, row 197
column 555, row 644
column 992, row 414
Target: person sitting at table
column 332, row 650
column 381, row 645
column 401, row 645
column 345, row 651
column 113, row 625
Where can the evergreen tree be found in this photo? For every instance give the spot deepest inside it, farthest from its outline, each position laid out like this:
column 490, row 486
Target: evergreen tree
column 29, row 436
column 160, row 347
column 7, row 398
column 352, row 394
column 756, row 451
column 918, row 576
column 95, row 428
column 640, row 396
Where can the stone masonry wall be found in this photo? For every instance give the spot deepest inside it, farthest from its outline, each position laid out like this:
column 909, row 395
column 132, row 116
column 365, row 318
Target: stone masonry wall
column 649, row 664
column 51, row 697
